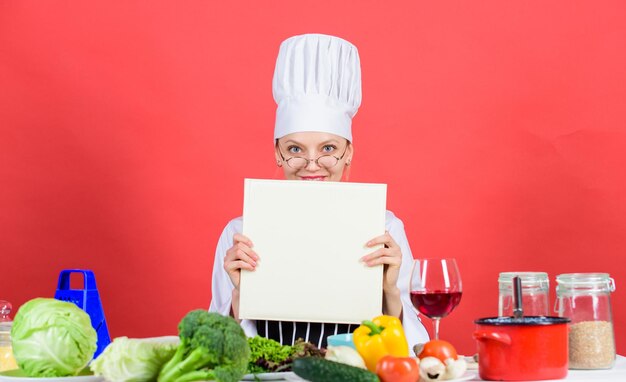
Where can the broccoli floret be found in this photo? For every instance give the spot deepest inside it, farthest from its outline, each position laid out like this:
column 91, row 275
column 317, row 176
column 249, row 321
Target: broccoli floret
column 212, row 347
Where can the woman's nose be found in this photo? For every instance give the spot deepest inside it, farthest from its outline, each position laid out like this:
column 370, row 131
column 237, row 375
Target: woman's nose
column 312, row 165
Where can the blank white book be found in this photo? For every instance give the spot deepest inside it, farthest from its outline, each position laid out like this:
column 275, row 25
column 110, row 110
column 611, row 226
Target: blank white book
column 310, row 237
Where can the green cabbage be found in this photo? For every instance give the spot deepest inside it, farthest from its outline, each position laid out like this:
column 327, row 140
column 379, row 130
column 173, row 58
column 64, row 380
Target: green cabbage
column 52, row 338
column 134, row 360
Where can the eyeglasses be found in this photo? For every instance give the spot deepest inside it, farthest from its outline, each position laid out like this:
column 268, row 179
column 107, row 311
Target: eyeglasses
column 326, row 161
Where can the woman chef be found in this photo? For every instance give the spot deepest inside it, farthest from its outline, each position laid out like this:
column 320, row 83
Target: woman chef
column 317, row 86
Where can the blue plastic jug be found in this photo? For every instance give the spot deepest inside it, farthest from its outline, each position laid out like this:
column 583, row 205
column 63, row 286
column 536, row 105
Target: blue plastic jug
column 88, row 299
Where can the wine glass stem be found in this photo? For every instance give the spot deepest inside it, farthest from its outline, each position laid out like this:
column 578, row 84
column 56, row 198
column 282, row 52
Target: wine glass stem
column 436, row 325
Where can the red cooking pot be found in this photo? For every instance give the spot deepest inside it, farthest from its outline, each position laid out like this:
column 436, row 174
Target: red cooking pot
column 522, row 349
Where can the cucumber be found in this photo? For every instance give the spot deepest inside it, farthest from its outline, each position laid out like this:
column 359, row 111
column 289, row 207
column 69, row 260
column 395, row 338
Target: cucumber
column 322, row 370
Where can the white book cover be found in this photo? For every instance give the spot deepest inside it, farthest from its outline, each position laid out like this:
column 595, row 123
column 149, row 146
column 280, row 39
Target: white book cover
column 310, row 237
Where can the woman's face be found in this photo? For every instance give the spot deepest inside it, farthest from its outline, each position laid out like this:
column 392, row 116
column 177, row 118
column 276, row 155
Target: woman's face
column 320, row 149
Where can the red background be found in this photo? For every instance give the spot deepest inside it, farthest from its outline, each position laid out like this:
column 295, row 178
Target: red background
column 127, row 128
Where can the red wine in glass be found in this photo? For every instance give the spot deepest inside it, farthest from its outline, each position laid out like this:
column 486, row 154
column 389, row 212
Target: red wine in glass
column 435, row 288
column 438, row 303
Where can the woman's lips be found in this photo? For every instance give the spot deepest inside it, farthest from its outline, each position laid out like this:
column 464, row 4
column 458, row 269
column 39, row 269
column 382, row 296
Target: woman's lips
column 314, row 178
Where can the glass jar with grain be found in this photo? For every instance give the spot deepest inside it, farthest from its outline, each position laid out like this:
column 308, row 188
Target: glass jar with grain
column 535, row 292
column 585, row 298
column 7, row 362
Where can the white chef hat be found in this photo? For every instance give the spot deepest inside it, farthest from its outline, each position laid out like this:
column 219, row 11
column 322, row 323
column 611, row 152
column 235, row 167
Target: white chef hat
column 317, row 85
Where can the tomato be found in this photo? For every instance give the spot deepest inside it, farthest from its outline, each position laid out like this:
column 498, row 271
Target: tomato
column 398, row 369
column 439, row 349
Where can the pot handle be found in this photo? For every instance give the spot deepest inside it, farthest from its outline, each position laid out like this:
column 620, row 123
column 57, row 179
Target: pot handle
column 484, row 335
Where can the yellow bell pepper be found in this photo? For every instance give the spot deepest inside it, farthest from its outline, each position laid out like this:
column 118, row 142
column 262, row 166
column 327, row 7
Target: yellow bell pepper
column 380, row 337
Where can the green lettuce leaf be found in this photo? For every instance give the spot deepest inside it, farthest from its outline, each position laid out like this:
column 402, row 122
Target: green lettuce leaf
column 134, row 360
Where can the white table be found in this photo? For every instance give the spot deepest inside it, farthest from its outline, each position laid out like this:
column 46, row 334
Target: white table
column 617, row 373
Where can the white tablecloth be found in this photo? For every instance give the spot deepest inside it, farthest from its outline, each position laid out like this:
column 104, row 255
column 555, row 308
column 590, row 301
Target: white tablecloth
column 617, row 373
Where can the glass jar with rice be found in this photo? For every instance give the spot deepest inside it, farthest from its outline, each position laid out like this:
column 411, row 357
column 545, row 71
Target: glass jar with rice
column 585, row 298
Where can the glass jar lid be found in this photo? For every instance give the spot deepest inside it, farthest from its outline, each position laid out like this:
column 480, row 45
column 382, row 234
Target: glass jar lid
column 5, row 310
column 529, row 279
column 585, row 282
column 5, row 322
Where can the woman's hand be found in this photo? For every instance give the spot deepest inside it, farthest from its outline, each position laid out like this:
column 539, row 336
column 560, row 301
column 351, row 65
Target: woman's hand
column 390, row 256
column 239, row 256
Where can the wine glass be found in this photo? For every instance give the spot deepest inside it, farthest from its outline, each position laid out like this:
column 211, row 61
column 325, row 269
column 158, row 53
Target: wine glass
column 435, row 288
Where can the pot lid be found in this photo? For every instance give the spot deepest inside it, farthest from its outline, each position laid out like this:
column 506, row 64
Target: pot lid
column 522, row 321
